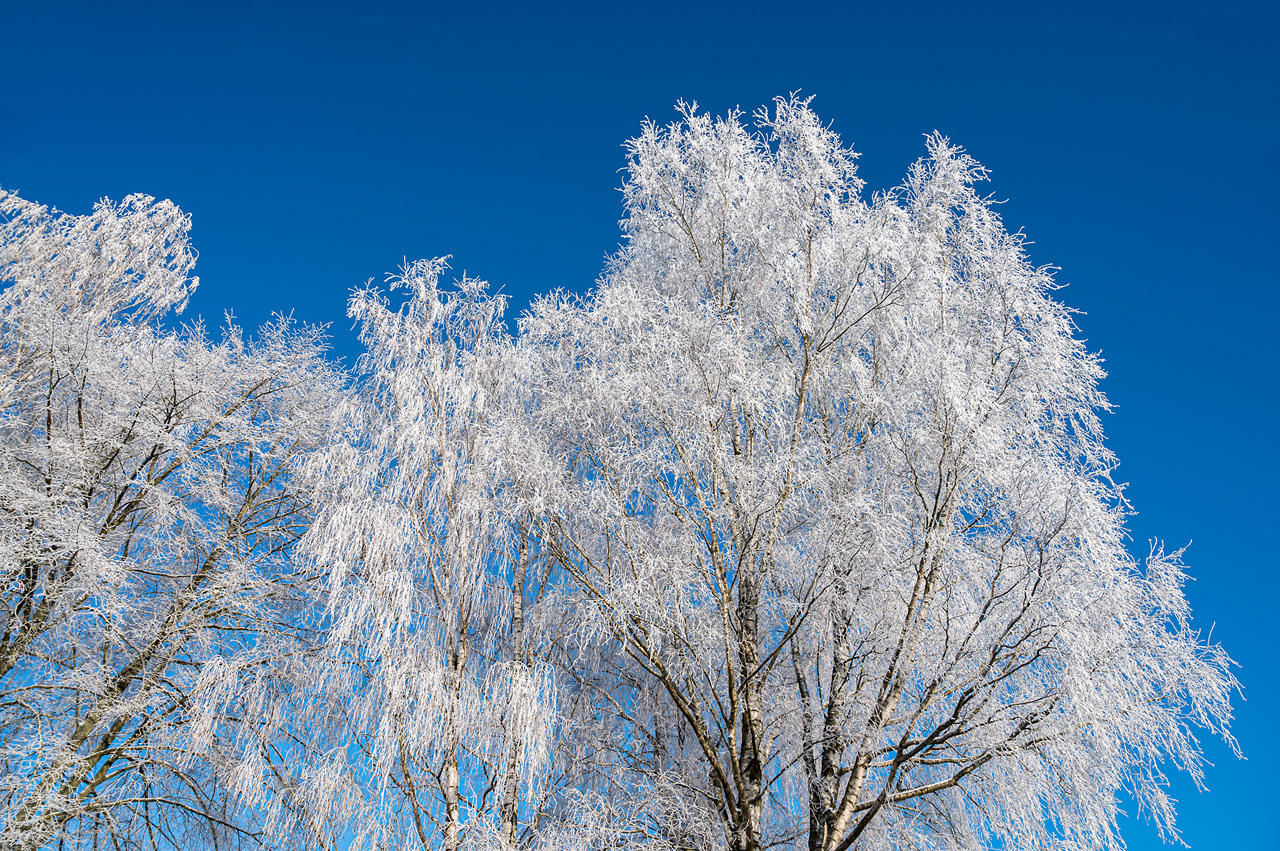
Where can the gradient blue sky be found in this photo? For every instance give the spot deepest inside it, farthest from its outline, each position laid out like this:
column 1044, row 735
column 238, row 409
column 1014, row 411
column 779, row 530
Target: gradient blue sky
column 318, row 146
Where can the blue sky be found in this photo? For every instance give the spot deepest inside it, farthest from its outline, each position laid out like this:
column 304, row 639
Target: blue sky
column 318, row 146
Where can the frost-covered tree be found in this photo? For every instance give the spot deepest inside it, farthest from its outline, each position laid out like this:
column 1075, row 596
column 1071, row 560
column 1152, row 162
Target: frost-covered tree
column 848, row 556
column 148, row 507
column 435, row 717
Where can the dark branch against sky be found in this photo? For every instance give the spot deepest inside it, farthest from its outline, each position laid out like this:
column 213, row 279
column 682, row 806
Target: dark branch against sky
column 319, row 146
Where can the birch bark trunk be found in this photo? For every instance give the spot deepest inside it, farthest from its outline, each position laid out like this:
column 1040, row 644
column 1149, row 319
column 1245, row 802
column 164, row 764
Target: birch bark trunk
column 511, row 789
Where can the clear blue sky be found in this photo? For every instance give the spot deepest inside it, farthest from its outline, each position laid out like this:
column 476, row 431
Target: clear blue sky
column 1137, row 146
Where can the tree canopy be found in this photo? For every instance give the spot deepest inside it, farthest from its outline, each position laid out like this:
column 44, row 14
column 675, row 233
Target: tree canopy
column 797, row 531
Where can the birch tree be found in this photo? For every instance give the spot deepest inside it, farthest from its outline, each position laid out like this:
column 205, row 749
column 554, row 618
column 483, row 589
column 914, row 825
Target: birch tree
column 148, row 508
column 445, row 715
column 841, row 519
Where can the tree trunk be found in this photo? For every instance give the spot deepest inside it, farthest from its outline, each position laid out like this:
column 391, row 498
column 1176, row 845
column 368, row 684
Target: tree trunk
column 751, row 757
column 452, row 819
column 449, row 777
column 511, row 790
